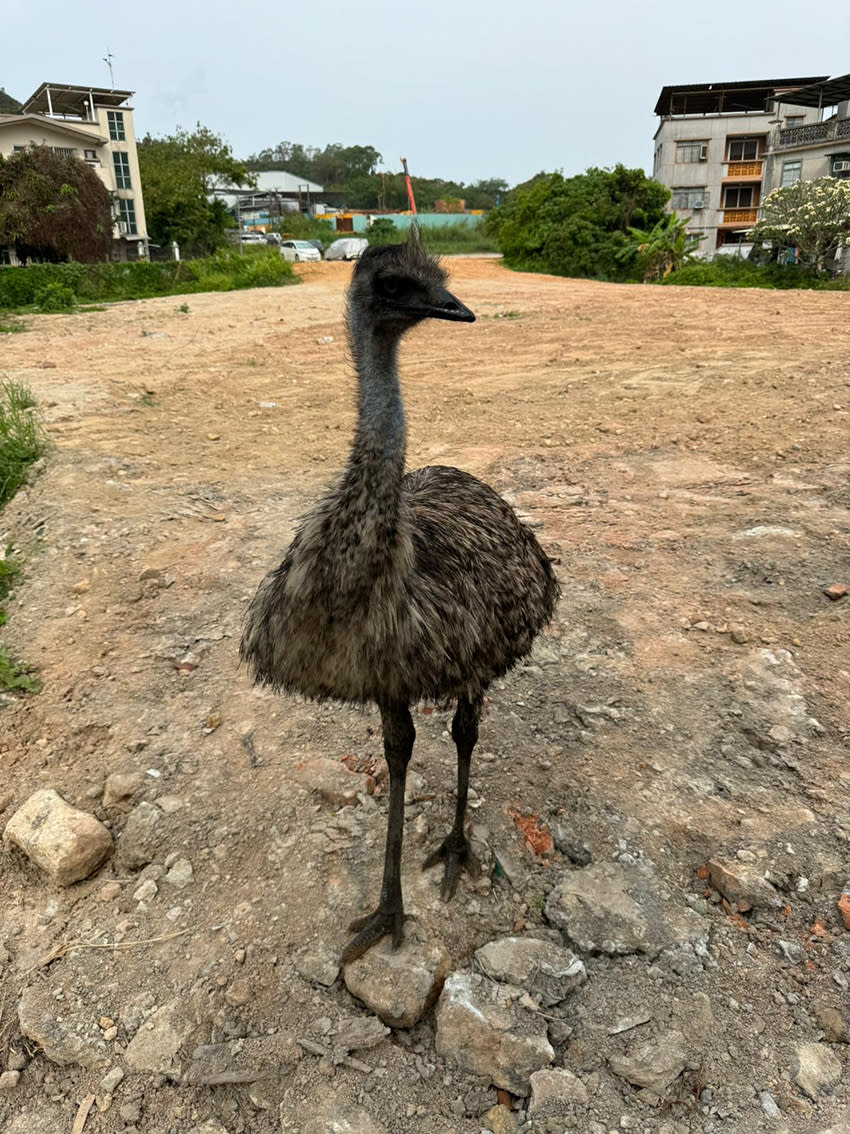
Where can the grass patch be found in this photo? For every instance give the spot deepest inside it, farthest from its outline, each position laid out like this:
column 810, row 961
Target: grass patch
column 60, row 287
column 22, row 439
column 732, row 271
column 9, row 325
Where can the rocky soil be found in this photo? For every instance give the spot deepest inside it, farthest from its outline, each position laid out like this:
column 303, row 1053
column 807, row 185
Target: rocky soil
column 660, row 940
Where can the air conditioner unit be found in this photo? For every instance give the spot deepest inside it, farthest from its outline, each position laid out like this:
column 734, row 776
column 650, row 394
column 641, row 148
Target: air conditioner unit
column 698, row 204
column 840, row 166
column 703, row 153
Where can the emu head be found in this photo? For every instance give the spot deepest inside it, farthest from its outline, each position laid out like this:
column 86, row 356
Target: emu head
column 395, row 286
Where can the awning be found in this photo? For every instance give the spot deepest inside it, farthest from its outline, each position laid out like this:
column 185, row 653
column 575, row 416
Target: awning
column 828, row 93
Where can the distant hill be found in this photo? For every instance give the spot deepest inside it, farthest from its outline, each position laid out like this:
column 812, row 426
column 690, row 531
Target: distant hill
column 8, row 105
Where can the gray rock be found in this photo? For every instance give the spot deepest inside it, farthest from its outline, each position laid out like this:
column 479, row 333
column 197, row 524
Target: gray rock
column 344, row 1120
column 769, row 686
column 141, row 836
column 181, row 874
column 654, row 1063
column 554, row 1090
column 67, row 843
column 121, row 786
column 63, row 1037
column 156, row 1043
column 768, row 1105
column 318, row 963
column 17, row 1061
column 548, row 971
column 111, row 1079
column 486, row 1029
column 9, row 1080
column 816, row 1069
column 401, row 985
column 613, row 908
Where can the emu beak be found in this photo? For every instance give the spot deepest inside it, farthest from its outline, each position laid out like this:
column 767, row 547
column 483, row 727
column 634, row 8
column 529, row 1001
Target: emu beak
column 441, row 304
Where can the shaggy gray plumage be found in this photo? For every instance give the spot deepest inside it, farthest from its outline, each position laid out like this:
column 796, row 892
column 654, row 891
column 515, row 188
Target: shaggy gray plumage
column 398, row 588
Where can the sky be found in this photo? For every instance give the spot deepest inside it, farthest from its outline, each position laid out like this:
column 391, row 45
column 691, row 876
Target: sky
column 464, row 90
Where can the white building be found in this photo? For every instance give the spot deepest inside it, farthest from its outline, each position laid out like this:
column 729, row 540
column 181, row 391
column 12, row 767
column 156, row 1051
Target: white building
column 722, row 147
column 94, row 125
column 276, row 193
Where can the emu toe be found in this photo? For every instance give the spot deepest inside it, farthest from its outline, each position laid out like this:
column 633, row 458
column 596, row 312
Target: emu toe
column 370, row 930
column 457, row 856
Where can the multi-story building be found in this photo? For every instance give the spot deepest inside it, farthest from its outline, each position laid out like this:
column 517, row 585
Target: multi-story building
column 96, row 126
column 722, row 147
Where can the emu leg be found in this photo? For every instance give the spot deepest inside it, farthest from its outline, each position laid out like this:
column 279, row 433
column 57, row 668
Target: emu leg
column 455, row 850
column 399, row 735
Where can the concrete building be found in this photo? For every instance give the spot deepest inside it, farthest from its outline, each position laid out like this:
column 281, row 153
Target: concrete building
column 722, row 147
column 96, row 126
column 275, row 194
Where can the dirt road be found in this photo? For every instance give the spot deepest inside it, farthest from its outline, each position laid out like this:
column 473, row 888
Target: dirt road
column 683, row 454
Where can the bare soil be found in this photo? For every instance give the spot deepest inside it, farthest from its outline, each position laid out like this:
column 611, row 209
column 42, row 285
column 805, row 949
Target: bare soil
column 683, row 454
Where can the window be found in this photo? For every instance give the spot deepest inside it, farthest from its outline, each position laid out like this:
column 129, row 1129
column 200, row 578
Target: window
column 840, row 166
column 18, row 149
column 126, row 217
column 743, row 149
column 791, row 171
column 90, row 155
column 115, row 118
column 794, row 120
column 690, row 198
column 121, row 162
column 738, row 236
column 738, row 197
column 692, row 151
column 63, row 150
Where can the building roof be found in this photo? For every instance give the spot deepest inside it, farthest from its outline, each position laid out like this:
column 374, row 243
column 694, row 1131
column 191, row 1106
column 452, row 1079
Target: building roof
column 727, row 98
column 80, row 133
column 65, row 99
column 828, row 93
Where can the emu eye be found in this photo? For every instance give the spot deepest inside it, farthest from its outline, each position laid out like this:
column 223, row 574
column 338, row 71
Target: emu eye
column 392, row 287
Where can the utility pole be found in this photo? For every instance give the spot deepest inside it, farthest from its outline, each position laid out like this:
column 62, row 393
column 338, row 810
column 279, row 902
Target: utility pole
column 410, row 196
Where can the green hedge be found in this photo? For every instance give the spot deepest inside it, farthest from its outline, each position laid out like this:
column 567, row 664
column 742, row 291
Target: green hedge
column 96, row 283
column 733, row 271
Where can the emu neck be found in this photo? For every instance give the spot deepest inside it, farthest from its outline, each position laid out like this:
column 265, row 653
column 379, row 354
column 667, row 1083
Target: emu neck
column 379, row 441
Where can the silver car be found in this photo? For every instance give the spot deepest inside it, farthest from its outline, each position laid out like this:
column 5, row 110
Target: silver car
column 298, row 250
column 348, row 248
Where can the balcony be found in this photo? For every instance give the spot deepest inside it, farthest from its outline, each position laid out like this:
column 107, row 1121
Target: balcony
column 750, row 170
column 739, row 216
column 815, row 132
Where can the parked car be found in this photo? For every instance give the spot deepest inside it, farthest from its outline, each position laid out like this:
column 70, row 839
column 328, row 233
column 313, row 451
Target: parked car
column 299, row 250
column 273, row 238
column 253, row 238
column 348, row 248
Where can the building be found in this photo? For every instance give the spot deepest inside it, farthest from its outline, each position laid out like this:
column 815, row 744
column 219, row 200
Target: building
column 96, row 126
column 275, row 194
column 722, row 147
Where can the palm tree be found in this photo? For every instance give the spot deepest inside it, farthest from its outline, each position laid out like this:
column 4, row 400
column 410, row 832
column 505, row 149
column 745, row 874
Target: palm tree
column 662, row 249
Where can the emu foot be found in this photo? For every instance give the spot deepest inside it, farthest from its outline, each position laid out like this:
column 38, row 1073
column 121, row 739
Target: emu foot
column 457, row 854
column 370, row 930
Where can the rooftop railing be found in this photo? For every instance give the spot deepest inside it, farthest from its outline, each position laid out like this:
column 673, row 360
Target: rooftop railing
column 814, row 132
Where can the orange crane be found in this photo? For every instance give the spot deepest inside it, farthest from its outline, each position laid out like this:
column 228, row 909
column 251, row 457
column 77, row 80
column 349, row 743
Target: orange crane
column 410, row 196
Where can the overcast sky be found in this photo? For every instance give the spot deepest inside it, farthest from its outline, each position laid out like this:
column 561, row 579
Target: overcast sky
column 465, row 90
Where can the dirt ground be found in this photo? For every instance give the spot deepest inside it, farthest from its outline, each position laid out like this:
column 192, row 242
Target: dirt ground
column 683, row 455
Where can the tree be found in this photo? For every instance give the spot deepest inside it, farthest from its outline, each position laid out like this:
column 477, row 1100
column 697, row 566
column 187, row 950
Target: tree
column 53, row 206
column 812, row 217
column 179, row 174
column 662, row 249
column 577, row 226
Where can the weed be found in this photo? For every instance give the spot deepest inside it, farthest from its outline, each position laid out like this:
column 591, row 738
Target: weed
column 55, row 297
column 22, row 439
column 9, row 325
column 146, row 398
column 183, row 308
column 508, row 315
column 14, row 676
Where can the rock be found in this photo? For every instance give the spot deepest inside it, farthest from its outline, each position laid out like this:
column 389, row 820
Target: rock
column 238, row 993
column 45, row 1119
column 334, row 782
column 484, row 1028
column 836, row 591
column 815, row 1069
column 344, row 1120
column 67, row 843
column 111, row 1079
column 145, row 891
column 613, row 908
column 654, row 1063
column 17, row 1061
column 548, row 971
column 774, row 712
column 833, row 1025
column 499, row 1120
column 844, row 906
column 63, row 1038
column 401, row 985
column 121, row 786
column 141, row 836
column 768, row 1105
column 211, row 1126
column 556, row 1089
column 9, row 1080
column 318, row 963
column 358, row 1033
column 109, row 891
column 181, row 874
column 742, row 885
column 130, row 1112
column 156, row 1043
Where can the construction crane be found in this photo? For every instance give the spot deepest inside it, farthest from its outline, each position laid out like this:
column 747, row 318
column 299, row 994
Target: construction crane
column 410, row 196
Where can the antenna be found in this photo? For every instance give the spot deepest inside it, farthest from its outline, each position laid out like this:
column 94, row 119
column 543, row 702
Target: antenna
column 107, row 59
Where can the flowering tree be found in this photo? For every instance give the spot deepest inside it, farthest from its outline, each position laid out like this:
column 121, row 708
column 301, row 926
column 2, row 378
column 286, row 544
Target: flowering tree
column 811, row 216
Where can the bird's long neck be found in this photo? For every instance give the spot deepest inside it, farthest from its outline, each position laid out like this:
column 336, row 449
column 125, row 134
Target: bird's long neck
column 377, row 455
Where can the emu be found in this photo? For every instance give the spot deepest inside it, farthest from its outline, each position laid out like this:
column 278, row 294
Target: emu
column 397, row 587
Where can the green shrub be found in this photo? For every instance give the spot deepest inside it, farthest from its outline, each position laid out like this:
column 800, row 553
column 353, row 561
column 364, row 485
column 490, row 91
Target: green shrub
column 734, row 271
column 22, row 439
column 55, row 297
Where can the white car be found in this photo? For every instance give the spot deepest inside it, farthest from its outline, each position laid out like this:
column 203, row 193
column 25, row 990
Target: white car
column 348, row 248
column 253, row 238
column 299, row 250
